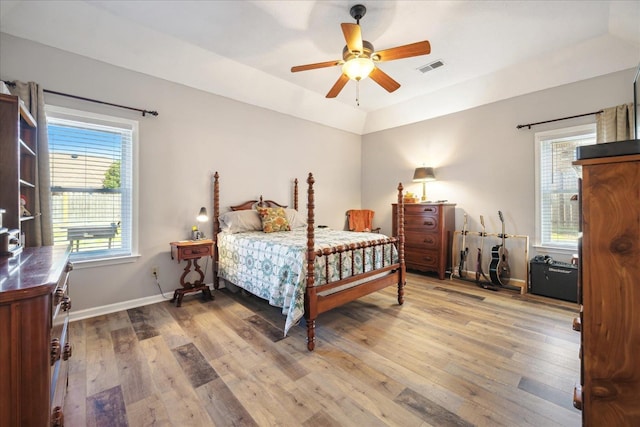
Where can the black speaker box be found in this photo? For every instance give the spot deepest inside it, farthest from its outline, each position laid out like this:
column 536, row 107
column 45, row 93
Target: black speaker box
column 553, row 279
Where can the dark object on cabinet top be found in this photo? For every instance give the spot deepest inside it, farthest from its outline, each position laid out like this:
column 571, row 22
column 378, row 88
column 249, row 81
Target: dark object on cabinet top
column 608, row 149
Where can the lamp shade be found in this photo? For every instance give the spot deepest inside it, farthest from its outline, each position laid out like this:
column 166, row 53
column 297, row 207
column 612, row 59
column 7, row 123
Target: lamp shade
column 202, row 216
column 423, row 174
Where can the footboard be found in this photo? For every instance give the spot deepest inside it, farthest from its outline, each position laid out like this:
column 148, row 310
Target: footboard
column 375, row 257
column 351, row 282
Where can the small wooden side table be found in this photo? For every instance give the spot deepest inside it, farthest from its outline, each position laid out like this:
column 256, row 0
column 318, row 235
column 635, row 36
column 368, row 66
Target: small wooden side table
column 191, row 251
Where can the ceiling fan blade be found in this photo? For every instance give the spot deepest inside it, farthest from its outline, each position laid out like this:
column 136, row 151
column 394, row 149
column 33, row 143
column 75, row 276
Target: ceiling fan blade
column 316, row 65
column 353, row 36
column 383, row 79
column 406, row 51
column 337, row 87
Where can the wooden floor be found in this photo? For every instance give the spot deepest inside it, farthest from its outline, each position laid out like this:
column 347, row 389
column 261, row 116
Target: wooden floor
column 452, row 355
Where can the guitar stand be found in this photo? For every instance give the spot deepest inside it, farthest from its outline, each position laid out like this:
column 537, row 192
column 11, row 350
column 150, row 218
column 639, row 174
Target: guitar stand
column 455, row 258
column 489, row 286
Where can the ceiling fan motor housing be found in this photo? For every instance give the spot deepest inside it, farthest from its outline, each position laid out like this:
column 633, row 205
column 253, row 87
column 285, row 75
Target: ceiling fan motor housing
column 367, row 52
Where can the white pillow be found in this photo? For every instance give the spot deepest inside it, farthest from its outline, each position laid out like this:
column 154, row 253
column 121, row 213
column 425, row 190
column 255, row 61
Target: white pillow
column 295, row 218
column 240, row 221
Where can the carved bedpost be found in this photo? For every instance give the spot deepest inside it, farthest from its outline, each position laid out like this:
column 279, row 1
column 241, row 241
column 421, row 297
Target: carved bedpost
column 403, row 271
column 310, row 301
column 216, row 227
column 295, row 194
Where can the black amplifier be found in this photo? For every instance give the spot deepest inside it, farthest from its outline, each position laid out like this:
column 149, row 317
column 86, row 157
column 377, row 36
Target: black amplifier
column 553, row 279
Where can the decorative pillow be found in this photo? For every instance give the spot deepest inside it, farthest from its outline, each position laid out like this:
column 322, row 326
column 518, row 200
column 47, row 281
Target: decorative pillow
column 240, row 221
column 295, row 218
column 274, row 219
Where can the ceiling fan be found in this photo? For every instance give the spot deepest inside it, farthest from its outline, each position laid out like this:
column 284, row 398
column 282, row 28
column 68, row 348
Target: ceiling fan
column 359, row 57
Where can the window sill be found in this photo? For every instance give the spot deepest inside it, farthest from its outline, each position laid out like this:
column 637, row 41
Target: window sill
column 105, row 261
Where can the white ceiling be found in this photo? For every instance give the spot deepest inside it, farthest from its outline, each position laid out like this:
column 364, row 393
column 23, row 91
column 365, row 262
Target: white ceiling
column 244, row 50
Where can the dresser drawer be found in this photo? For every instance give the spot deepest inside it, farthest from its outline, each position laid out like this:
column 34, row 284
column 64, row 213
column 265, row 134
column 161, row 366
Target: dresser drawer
column 61, row 352
column 417, row 209
column 421, row 222
column 419, row 259
column 195, row 251
column 59, row 341
column 60, row 294
column 417, row 239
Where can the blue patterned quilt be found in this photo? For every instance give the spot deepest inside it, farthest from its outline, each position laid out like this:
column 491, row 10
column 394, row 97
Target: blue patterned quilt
column 272, row 266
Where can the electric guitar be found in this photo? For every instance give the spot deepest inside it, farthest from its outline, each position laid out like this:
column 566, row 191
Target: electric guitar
column 462, row 271
column 479, row 271
column 499, row 269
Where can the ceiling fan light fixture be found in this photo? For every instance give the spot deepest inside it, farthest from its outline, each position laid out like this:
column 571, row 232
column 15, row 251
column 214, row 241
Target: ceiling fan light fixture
column 358, row 68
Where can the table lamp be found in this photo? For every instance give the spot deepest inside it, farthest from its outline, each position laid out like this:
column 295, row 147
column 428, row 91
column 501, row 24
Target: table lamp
column 423, row 174
column 202, row 217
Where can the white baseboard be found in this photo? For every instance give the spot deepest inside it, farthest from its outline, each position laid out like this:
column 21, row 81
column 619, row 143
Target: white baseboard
column 119, row 306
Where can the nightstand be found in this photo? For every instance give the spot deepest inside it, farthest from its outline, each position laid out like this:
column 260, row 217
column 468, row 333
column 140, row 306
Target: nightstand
column 191, row 251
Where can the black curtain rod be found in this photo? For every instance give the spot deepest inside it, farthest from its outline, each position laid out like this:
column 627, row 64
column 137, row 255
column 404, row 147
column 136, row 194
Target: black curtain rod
column 556, row 120
column 82, row 98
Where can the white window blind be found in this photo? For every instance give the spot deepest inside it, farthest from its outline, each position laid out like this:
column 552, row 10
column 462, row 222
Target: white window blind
column 557, row 216
column 91, row 162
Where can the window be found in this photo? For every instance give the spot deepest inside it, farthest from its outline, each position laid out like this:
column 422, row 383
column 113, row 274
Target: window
column 557, row 210
column 92, row 161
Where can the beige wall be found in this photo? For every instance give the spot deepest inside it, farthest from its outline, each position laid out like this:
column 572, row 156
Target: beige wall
column 256, row 151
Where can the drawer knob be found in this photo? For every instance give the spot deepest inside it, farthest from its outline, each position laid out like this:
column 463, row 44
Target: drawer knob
column 66, row 303
column 57, row 418
column 577, row 325
column 577, row 397
column 428, row 223
column 66, row 353
column 57, row 296
column 55, row 350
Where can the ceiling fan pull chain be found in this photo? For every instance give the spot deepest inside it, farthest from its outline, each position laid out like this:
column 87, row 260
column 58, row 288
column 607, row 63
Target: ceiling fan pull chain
column 358, row 93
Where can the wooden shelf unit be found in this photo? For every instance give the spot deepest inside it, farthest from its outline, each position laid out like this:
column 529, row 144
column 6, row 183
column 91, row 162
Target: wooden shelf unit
column 18, row 157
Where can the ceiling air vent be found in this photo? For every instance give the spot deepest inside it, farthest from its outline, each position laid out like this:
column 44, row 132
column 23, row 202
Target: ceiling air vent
column 431, row 66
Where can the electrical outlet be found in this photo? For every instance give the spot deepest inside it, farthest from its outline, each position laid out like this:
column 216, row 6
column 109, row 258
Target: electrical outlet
column 154, row 271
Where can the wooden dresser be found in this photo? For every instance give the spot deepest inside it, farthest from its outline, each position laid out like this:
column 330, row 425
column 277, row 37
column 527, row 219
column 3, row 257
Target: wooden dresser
column 428, row 230
column 609, row 291
column 34, row 347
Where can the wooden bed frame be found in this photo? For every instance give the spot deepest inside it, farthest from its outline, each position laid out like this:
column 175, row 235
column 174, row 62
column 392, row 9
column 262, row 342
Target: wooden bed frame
column 316, row 300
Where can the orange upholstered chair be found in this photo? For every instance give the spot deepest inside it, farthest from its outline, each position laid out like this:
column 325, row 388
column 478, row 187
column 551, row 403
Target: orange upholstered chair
column 361, row 220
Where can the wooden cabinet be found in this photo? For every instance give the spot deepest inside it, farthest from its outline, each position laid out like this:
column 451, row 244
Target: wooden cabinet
column 428, row 230
column 18, row 152
column 609, row 291
column 34, row 346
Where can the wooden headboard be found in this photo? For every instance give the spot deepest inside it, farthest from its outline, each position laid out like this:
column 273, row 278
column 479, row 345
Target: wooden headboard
column 250, row 204
column 244, row 206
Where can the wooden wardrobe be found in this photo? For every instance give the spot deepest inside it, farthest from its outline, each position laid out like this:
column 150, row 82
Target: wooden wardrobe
column 609, row 291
